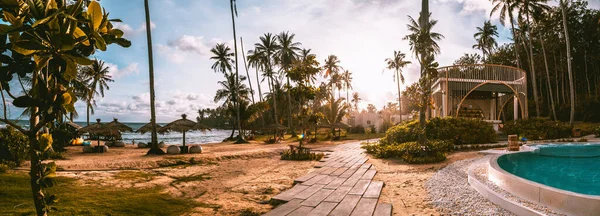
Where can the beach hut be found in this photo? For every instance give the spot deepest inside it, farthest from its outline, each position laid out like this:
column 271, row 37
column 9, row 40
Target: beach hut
column 97, row 129
column 116, row 128
column 275, row 127
column 183, row 125
column 339, row 126
column 148, row 128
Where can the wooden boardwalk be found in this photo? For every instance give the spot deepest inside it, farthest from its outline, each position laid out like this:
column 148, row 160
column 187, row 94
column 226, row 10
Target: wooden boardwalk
column 342, row 185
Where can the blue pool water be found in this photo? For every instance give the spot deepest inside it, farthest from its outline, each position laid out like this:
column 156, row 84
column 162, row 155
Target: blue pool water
column 571, row 167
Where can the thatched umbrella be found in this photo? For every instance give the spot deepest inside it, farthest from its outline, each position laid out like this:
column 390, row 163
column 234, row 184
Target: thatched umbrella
column 183, row 125
column 72, row 124
column 275, row 127
column 115, row 125
column 96, row 129
column 147, row 128
column 338, row 125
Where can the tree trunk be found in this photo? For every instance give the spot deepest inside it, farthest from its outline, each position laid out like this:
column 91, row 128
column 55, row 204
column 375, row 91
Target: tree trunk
column 274, row 95
column 289, row 97
column 548, row 81
column 258, row 84
column 533, row 76
column 568, row 43
column 514, row 38
column 399, row 95
column 154, row 149
column 422, row 109
column 3, row 103
column 556, row 78
column 587, row 76
column 237, row 78
column 246, row 66
column 88, row 113
column 35, row 167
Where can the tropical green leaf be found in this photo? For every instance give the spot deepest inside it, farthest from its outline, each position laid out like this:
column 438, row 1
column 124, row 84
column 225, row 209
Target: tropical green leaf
column 65, row 42
column 95, row 14
column 4, row 29
column 22, row 51
column 36, row 7
column 100, row 43
column 25, row 101
column 123, row 42
column 46, row 19
column 115, row 20
column 79, row 59
column 116, row 32
column 70, row 71
column 30, row 45
column 5, row 59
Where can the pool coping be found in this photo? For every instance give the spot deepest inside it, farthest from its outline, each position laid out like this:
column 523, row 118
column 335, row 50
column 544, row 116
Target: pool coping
column 563, row 201
column 497, row 198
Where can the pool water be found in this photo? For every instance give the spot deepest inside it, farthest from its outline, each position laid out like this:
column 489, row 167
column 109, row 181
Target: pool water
column 571, row 167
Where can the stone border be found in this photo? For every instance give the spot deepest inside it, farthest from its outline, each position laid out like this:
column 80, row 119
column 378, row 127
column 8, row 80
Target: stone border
column 498, row 199
column 562, row 201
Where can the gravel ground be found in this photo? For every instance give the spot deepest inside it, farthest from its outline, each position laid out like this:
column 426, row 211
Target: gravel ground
column 451, row 194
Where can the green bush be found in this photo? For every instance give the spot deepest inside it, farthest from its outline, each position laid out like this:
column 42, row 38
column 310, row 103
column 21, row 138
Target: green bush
column 597, row 131
column 359, row 129
column 299, row 154
column 385, row 125
column 372, row 129
column 457, row 130
column 4, row 168
column 538, row 128
column 62, row 134
column 14, row 146
column 412, row 152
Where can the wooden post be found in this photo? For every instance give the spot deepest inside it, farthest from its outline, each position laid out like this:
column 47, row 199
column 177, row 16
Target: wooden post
column 513, row 143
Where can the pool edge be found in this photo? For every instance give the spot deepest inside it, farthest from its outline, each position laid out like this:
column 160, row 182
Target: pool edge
column 562, row 201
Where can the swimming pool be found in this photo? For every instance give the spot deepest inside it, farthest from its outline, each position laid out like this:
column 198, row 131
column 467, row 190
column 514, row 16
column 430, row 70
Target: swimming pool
column 571, row 167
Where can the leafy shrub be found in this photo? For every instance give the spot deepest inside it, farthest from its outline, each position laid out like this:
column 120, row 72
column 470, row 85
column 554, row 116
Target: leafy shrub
column 299, row 154
column 372, row 129
column 62, row 134
column 597, row 131
column 359, row 129
column 458, row 130
column 538, row 128
column 14, row 146
column 385, row 125
column 412, row 152
column 582, row 140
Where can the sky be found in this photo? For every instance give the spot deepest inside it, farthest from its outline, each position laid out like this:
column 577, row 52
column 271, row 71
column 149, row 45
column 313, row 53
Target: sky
column 362, row 33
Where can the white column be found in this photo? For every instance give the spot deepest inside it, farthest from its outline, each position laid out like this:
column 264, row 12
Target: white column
column 516, row 107
column 493, row 108
column 444, row 105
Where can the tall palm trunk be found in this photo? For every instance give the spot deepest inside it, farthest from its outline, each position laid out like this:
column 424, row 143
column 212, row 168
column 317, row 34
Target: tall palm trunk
column 563, row 6
column 399, row 94
column 289, row 97
column 258, row 84
column 274, row 95
column 88, row 113
column 423, row 107
column 246, row 66
column 533, row 76
column 512, row 24
column 587, row 76
column 548, row 81
column 154, row 147
column 237, row 79
column 4, row 104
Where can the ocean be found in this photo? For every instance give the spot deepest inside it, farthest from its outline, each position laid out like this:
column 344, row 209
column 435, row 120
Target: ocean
column 191, row 137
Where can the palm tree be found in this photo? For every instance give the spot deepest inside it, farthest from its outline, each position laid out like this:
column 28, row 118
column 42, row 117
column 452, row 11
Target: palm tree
column 397, row 63
column 222, row 57
column 255, row 60
column 247, row 73
column 563, row 6
column 286, row 55
column 330, row 69
column 485, row 38
column 527, row 8
column 233, row 7
column 232, row 91
column 154, row 149
column 97, row 77
column 334, row 110
column 347, row 82
column 267, row 48
column 355, row 100
column 506, row 7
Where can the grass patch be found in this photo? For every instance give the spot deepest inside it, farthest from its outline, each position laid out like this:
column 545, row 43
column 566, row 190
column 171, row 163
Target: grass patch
column 363, row 136
column 249, row 212
column 134, row 176
column 183, row 162
column 15, row 199
column 190, row 178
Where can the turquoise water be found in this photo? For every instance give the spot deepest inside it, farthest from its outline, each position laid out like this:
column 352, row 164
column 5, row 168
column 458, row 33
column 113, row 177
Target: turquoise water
column 571, row 167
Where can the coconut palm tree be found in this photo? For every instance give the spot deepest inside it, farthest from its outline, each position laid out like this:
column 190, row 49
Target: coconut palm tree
column 396, row 63
column 233, row 7
column 267, row 48
column 222, row 56
column 485, row 38
column 507, row 7
column 154, row 149
column 563, row 6
column 247, row 73
column 286, row 55
column 255, row 60
column 96, row 76
column 347, row 82
column 330, row 69
column 231, row 92
column 355, row 100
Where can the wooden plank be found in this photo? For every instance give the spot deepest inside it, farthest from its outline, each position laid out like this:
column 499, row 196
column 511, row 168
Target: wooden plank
column 360, row 187
column 302, row 211
column 289, row 194
column 323, row 209
column 305, row 177
column 346, row 206
column 366, row 166
column 383, row 209
column 374, row 190
column 365, row 207
column 335, row 183
column 317, row 198
column 338, row 195
column 369, row 174
column 314, row 180
column 328, row 170
column 285, row 208
column 326, row 180
column 308, row 192
column 339, row 171
column 354, row 178
column 348, row 173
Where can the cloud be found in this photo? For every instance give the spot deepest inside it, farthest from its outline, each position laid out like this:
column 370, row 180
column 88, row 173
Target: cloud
column 196, row 44
column 130, row 69
column 129, row 31
column 142, row 27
